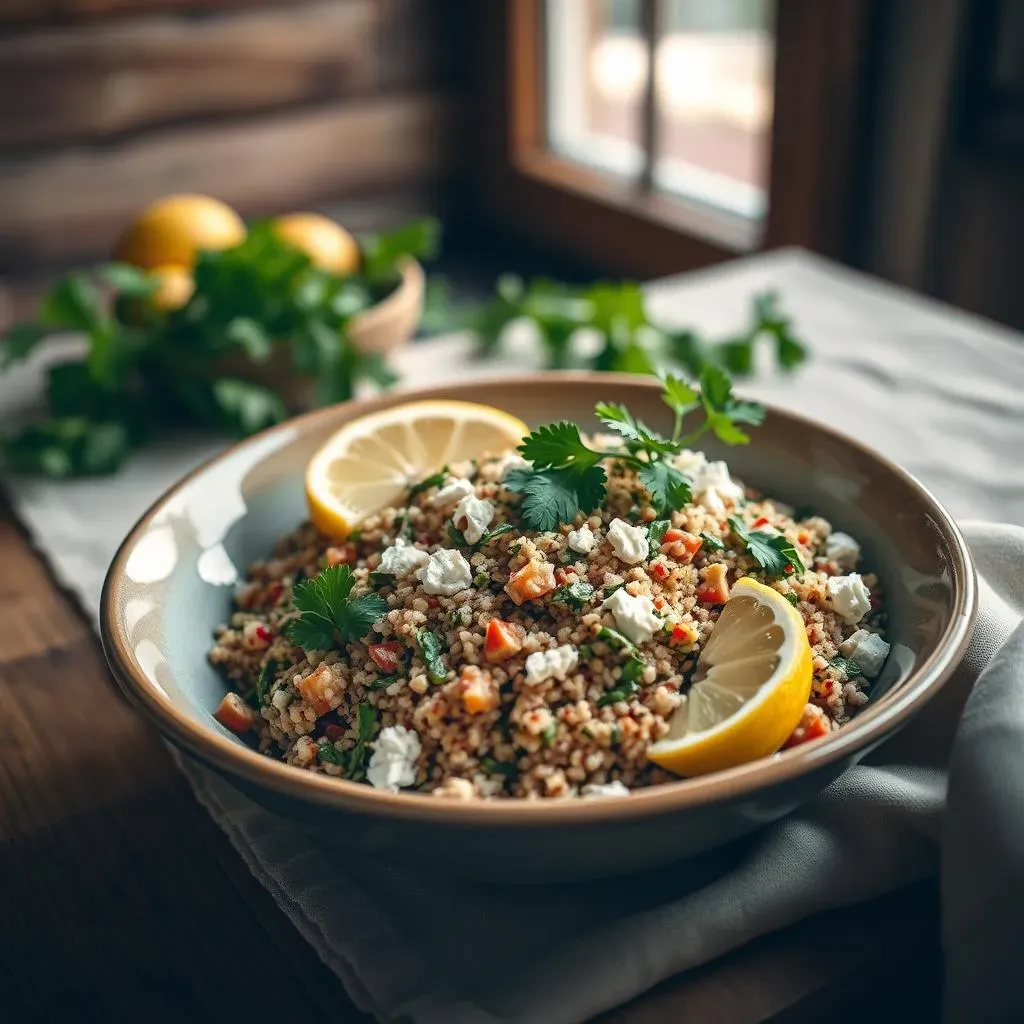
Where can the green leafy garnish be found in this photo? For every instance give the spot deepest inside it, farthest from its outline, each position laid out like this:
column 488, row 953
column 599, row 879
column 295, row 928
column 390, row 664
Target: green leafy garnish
column 430, row 648
column 711, row 542
column 351, row 760
column 493, row 767
column 656, row 532
column 567, row 477
column 623, row 691
column 458, row 538
column 268, row 673
column 792, row 599
column 481, row 579
column 847, row 666
column 611, row 588
column 434, row 480
column 574, row 595
column 771, row 551
column 328, row 614
column 615, row 640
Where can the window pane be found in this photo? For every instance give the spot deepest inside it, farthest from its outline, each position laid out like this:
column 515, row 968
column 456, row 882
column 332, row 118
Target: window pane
column 597, row 71
column 713, row 72
column 713, row 88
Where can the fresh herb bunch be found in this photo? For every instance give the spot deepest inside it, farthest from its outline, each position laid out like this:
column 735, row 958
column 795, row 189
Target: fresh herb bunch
column 146, row 369
column 630, row 341
column 772, row 552
column 566, row 477
column 329, row 616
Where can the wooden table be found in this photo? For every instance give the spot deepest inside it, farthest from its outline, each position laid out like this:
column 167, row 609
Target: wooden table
column 121, row 899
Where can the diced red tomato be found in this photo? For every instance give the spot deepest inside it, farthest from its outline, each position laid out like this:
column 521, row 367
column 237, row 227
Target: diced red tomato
column 760, row 521
column 659, row 603
column 319, row 690
column 478, row 690
column 683, row 634
column 234, row 714
column 714, row 589
column 803, row 537
column 503, row 640
column 671, row 535
column 812, row 726
column 680, row 545
column 387, row 656
column 534, row 580
column 659, row 570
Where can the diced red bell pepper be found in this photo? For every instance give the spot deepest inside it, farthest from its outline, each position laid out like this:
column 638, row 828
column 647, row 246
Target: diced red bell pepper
column 812, row 726
column 503, row 640
column 234, row 714
column 319, row 690
column 387, row 656
column 534, row 580
column 683, row 634
column 714, row 589
column 680, row 545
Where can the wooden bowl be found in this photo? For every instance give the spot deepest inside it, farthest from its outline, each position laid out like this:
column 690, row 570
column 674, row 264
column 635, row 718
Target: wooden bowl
column 380, row 329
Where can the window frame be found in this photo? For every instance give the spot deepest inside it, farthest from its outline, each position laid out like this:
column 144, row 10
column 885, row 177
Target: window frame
column 816, row 132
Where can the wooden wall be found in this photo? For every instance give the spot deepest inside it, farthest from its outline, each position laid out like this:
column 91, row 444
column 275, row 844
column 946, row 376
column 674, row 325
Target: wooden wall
column 107, row 104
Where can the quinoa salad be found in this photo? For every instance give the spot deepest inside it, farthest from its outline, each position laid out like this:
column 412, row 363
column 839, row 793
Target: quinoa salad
column 464, row 644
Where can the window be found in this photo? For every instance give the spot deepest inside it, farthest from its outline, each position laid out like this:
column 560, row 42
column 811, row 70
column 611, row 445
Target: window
column 650, row 136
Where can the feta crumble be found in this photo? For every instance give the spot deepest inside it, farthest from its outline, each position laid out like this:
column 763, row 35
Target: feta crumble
column 628, row 542
column 393, row 761
column 401, row 558
column 555, row 663
column 472, row 516
column 635, row 617
column 842, row 549
column 446, row 572
column 868, row 649
column 582, row 540
column 593, row 789
column 713, row 487
column 690, row 462
column 849, row 597
column 454, row 490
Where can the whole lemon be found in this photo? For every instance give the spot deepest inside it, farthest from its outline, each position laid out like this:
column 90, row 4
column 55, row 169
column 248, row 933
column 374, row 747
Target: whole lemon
column 170, row 231
column 327, row 244
column 175, row 288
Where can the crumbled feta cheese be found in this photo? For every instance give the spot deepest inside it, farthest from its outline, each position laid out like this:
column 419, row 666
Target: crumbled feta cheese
column 472, row 516
column 868, row 649
column 454, row 490
column 582, row 540
column 593, row 789
column 842, row 549
column 401, row 558
column 281, row 699
column 690, row 462
column 634, row 616
column 850, row 599
column 393, row 761
column 445, row 572
column 555, row 663
column 713, row 487
column 628, row 542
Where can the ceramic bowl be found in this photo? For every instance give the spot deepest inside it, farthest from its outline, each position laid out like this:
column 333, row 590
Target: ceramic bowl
column 172, row 579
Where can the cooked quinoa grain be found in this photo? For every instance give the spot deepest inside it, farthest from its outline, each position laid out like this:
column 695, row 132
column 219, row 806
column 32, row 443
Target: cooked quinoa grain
column 511, row 663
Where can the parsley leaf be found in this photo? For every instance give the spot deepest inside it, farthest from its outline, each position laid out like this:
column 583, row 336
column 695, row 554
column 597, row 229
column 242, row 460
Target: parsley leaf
column 558, row 445
column 614, row 639
column 430, row 648
column 847, row 666
column 656, row 531
column 711, row 542
column 668, row 487
column 623, row 691
column 575, row 595
column 618, row 418
column 328, row 614
column 553, row 496
column 772, row 552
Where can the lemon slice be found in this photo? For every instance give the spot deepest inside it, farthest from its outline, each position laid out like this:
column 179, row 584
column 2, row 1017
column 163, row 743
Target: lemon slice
column 371, row 462
column 750, row 687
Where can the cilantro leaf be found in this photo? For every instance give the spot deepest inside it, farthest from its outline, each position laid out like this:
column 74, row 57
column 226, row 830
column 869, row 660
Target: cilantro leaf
column 553, row 496
column 618, row 418
column 434, row 480
column 575, row 595
column 265, row 680
column 722, row 410
column 848, row 666
column 677, row 394
column 711, row 542
column 623, row 691
column 772, row 552
column 328, row 614
column 558, row 445
column 668, row 487
column 656, row 531
column 430, row 648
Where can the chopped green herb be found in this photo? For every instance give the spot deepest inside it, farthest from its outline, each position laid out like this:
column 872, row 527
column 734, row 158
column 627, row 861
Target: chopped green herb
column 328, row 614
column 481, row 579
column 381, row 683
column 611, row 588
column 265, row 680
column 456, row 537
column 792, row 599
column 548, row 735
column 381, row 579
column 614, row 639
column 514, row 549
column 586, row 652
column 575, row 595
column 329, row 754
column 459, row 539
column 355, row 536
column 656, row 531
column 430, row 648
column 623, row 691
column 616, row 735
column 847, row 666
column 493, row 767
column 772, row 552
column 633, row 670
column 434, row 480
column 711, row 542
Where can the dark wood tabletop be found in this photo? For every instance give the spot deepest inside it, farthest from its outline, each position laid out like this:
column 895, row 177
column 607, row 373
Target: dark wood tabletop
column 120, row 899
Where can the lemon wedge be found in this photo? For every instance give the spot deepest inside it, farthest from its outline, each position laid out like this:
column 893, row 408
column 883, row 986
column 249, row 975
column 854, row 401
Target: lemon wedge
column 749, row 690
column 371, row 462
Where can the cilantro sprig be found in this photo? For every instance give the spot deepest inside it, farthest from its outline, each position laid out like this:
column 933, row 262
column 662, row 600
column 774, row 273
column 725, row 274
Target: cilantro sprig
column 772, row 552
column 568, row 477
column 329, row 616
column 351, row 760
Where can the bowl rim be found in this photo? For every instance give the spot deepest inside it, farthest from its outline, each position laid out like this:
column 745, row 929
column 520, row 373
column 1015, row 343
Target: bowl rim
column 870, row 726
